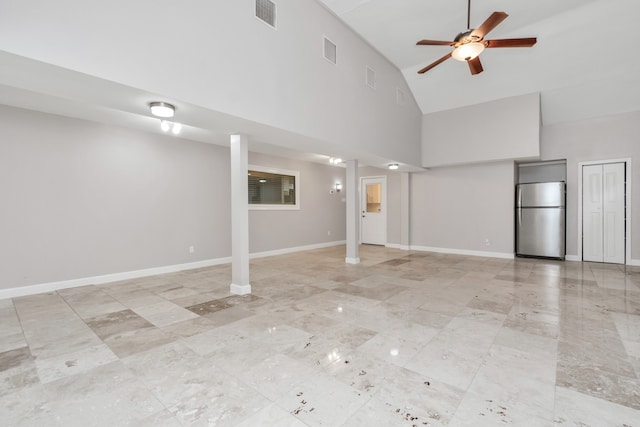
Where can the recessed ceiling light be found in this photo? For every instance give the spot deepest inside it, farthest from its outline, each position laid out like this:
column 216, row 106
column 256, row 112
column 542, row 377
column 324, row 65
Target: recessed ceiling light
column 393, row 166
column 162, row 109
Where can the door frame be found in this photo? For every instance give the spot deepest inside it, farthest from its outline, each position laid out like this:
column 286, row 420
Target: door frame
column 383, row 203
column 627, row 204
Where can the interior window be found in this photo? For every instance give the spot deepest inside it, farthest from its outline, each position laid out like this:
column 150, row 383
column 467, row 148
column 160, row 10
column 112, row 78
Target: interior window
column 273, row 188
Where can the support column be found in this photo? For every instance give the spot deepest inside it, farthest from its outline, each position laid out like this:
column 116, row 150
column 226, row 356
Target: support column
column 405, row 211
column 239, row 215
column 353, row 212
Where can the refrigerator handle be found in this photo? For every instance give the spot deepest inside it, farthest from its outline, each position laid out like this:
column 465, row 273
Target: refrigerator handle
column 519, row 217
column 519, row 201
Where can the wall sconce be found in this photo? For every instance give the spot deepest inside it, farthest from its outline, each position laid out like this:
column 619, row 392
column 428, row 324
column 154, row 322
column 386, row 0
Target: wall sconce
column 338, row 187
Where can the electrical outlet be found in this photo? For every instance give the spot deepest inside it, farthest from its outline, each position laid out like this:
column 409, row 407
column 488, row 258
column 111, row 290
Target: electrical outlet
column 487, row 242
column 329, row 233
column 191, row 249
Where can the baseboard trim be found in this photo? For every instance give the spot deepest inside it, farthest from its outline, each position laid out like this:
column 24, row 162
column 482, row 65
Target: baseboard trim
column 352, row 260
column 397, row 246
column 128, row 275
column 296, row 249
column 107, row 278
column 572, row 258
column 634, row 262
column 240, row 289
column 501, row 255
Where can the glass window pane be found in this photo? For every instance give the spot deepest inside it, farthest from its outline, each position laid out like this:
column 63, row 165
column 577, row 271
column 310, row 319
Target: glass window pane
column 271, row 188
column 374, row 195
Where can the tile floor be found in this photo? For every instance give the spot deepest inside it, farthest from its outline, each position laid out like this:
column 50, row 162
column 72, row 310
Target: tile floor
column 403, row 339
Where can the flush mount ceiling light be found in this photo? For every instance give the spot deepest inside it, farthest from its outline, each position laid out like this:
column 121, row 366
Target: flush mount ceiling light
column 335, row 161
column 162, row 109
column 393, row 166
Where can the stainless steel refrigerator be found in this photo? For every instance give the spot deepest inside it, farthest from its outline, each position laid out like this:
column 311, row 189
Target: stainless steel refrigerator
column 540, row 220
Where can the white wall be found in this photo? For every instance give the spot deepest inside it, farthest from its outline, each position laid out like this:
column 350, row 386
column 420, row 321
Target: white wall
column 321, row 218
column 605, row 138
column 81, row 199
column 456, row 208
column 505, row 129
column 215, row 54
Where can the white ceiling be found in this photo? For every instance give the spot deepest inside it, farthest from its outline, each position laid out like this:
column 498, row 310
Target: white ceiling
column 582, row 46
column 581, row 66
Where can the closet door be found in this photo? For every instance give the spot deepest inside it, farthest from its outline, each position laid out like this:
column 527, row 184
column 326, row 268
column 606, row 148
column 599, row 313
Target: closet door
column 613, row 216
column 592, row 224
column 603, row 210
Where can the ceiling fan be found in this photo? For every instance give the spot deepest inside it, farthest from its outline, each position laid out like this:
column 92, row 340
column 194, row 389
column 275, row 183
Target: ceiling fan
column 469, row 44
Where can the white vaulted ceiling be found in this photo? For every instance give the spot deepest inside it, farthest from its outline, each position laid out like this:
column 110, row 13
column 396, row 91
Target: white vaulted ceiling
column 583, row 65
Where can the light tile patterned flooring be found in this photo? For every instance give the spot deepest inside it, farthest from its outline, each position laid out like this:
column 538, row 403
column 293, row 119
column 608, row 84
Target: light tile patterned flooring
column 403, row 339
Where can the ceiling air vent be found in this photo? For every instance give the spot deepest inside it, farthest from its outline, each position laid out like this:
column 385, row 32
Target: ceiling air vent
column 370, row 77
column 399, row 96
column 266, row 12
column 330, row 51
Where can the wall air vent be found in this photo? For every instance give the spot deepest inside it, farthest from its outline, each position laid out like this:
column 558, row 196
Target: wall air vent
column 330, row 51
column 266, row 12
column 370, row 77
column 400, row 96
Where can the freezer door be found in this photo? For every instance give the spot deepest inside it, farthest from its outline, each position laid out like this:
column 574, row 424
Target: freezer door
column 540, row 232
column 548, row 194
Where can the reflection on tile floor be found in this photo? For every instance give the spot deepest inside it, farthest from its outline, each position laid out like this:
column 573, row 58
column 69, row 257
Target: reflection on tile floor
column 403, row 339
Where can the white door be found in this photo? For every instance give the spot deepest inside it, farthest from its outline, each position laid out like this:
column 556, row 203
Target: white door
column 592, row 225
column 603, row 208
column 373, row 207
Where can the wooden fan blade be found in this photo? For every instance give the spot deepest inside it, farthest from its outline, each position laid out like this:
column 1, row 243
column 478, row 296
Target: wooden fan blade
column 435, row 43
column 438, row 62
column 524, row 42
column 475, row 66
column 488, row 25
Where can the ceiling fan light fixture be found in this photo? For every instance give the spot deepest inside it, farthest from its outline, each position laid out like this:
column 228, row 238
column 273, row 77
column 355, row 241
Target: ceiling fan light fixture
column 468, row 51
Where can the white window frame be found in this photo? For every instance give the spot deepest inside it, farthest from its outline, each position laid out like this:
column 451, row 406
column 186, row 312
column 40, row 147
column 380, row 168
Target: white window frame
column 295, row 174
